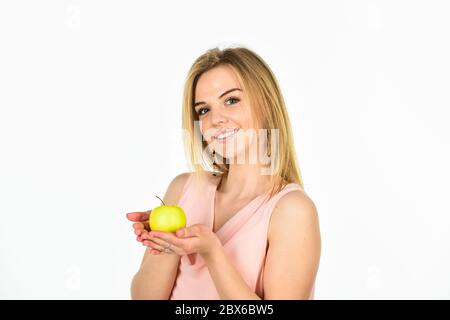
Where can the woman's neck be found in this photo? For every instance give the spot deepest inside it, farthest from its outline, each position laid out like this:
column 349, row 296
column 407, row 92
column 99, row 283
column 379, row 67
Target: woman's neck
column 243, row 181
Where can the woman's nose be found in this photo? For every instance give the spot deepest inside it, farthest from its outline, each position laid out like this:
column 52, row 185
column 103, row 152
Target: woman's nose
column 218, row 117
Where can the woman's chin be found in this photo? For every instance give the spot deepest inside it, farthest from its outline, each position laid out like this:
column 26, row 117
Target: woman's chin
column 230, row 157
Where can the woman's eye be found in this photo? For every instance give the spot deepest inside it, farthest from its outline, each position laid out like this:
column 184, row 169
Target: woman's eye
column 199, row 112
column 232, row 100
column 229, row 101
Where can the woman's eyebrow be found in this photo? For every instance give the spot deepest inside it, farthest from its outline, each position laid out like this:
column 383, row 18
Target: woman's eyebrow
column 226, row 92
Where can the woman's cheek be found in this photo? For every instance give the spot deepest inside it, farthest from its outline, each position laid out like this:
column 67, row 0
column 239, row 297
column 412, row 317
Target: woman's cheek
column 208, row 134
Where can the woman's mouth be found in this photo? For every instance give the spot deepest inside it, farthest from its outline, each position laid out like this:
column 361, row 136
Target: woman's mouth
column 222, row 138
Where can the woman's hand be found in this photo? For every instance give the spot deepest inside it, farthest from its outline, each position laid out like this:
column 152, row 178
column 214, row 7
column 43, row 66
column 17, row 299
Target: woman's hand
column 141, row 227
column 194, row 239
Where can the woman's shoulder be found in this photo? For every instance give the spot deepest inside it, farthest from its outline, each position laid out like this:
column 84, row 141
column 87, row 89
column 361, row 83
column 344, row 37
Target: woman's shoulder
column 294, row 208
column 176, row 186
column 297, row 198
column 205, row 177
column 180, row 182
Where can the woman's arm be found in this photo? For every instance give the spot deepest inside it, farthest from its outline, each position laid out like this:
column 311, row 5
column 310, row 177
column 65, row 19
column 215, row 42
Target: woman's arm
column 228, row 281
column 157, row 273
column 293, row 255
column 292, row 259
column 156, row 277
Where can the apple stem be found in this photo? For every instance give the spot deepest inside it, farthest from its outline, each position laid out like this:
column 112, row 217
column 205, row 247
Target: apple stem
column 161, row 200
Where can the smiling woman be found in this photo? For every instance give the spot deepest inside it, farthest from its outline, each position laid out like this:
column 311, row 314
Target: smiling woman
column 253, row 232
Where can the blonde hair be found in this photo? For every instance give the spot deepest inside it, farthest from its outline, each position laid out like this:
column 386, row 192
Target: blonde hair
column 267, row 106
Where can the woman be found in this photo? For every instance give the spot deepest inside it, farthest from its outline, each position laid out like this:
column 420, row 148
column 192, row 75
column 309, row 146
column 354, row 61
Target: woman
column 253, row 232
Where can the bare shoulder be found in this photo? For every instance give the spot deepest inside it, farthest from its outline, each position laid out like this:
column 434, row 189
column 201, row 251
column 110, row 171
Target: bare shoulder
column 296, row 211
column 175, row 188
column 181, row 179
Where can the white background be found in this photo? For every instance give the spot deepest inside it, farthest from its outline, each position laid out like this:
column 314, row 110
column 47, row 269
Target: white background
column 90, row 128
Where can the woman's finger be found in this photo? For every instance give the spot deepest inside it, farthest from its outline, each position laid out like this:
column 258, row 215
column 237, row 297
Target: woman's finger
column 153, row 245
column 138, row 225
column 166, row 245
column 139, row 233
column 141, row 225
column 168, row 237
column 161, row 242
column 138, row 216
column 153, row 251
column 143, row 235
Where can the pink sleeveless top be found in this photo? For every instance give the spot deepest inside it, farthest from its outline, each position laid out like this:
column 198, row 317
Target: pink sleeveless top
column 243, row 236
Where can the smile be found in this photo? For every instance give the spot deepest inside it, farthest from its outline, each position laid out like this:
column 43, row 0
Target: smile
column 221, row 138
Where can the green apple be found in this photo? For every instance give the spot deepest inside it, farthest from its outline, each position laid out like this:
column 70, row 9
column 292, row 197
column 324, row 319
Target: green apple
column 167, row 218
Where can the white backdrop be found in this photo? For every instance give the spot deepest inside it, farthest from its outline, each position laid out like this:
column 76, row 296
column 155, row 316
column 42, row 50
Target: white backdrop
column 90, row 128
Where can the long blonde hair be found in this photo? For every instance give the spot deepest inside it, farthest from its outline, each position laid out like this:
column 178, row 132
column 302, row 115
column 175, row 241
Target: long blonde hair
column 267, row 106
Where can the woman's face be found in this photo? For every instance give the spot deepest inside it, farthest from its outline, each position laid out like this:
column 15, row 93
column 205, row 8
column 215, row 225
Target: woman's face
column 223, row 107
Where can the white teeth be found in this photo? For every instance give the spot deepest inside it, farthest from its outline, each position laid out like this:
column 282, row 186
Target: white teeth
column 226, row 135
